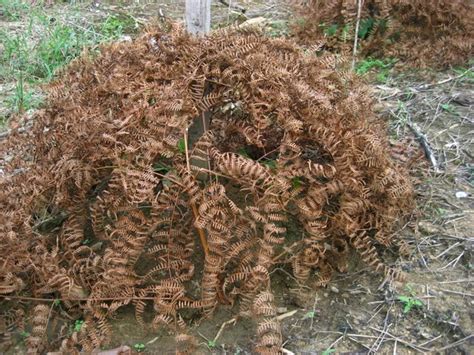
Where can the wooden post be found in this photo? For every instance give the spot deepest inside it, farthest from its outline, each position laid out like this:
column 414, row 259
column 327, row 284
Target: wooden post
column 198, row 22
column 198, row 16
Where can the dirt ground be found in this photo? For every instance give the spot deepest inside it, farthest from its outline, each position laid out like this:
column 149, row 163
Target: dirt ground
column 359, row 312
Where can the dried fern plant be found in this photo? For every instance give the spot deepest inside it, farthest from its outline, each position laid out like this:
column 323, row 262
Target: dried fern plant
column 96, row 200
column 421, row 33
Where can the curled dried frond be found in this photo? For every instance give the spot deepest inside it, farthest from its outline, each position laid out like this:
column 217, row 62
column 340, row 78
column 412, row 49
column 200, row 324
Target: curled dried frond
column 268, row 329
column 420, row 32
column 98, row 204
column 36, row 341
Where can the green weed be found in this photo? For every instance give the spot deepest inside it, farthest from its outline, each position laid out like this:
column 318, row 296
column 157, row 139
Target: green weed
column 24, row 334
column 243, row 152
column 211, row 344
column 32, row 56
column 366, row 27
column 23, row 98
column 309, row 315
column 467, row 73
column 345, row 35
column 449, row 108
column 382, row 77
column 300, row 21
column 58, row 47
column 296, row 182
column 35, row 53
column 161, row 168
column 329, row 30
column 410, row 302
column 279, row 28
column 328, row 351
column 116, row 26
column 16, row 54
column 182, row 146
column 381, row 66
column 78, row 325
column 139, row 347
column 441, row 211
column 13, row 10
column 270, row 164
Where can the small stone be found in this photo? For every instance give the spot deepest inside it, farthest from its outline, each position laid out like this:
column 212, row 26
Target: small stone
column 397, row 285
column 125, row 38
column 345, row 295
column 461, row 194
column 426, row 335
column 334, row 289
column 427, row 228
column 97, row 246
column 326, row 294
column 281, row 310
column 255, row 22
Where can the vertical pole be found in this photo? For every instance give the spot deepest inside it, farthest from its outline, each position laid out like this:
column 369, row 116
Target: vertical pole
column 360, row 3
column 198, row 22
column 198, row 16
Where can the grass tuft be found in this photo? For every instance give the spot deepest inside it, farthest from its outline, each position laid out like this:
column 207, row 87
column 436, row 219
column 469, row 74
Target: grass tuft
column 115, row 26
column 13, row 10
column 42, row 44
column 380, row 66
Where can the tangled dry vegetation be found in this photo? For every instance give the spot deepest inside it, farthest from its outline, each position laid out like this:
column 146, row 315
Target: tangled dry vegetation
column 422, row 33
column 101, row 207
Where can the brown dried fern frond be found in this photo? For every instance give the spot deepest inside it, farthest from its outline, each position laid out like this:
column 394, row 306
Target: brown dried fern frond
column 102, row 204
column 37, row 340
column 420, row 33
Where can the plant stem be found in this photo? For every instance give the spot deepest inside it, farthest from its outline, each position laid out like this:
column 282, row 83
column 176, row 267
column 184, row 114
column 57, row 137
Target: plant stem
column 356, row 35
column 202, row 235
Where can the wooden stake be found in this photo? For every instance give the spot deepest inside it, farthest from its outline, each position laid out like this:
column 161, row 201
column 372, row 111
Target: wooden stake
column 202, row 234
column 198, row 16
column 198, row 22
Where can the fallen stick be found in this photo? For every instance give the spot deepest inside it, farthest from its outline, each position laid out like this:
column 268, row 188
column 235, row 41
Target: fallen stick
column 401, row 341
column 427, row 86
column 231, row 321
column 445, row 251
column 237, row 7
column 464, row 294
column 286, row 315
column 421, row 137
column 459, row 342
